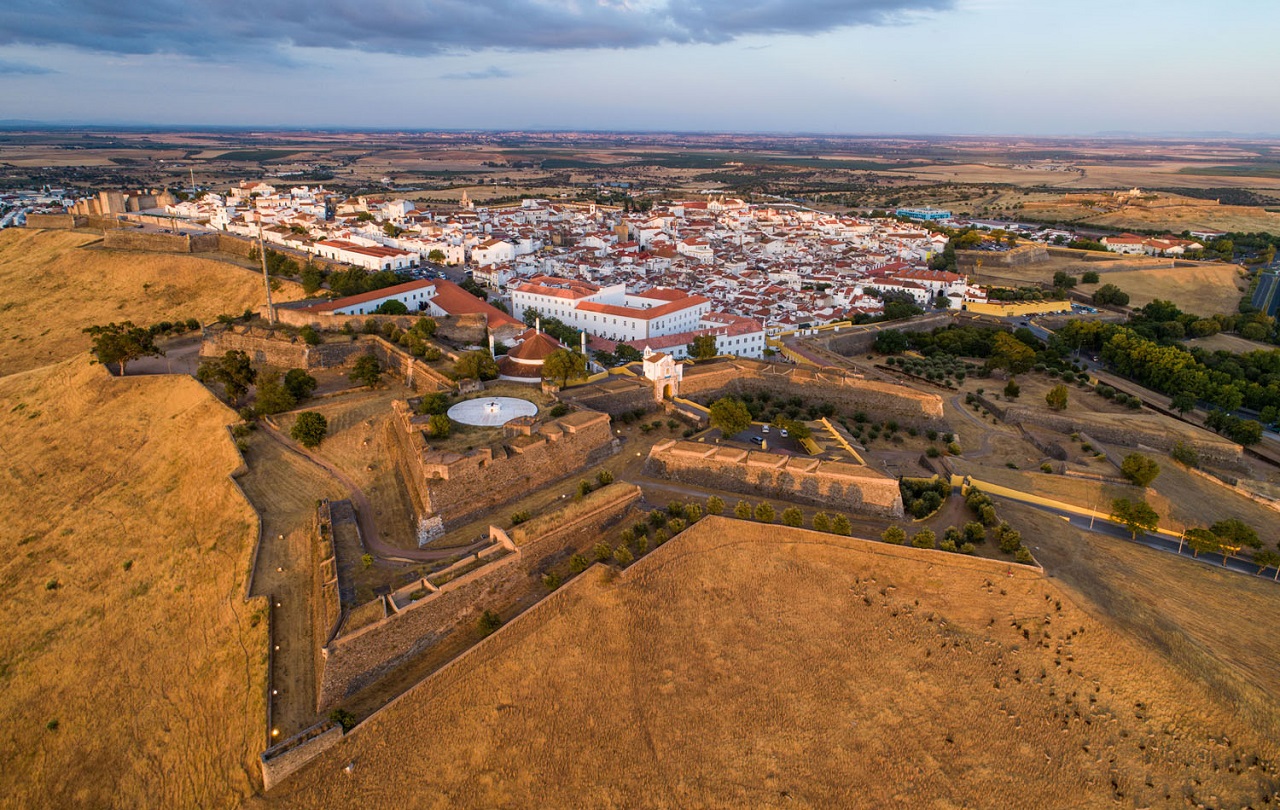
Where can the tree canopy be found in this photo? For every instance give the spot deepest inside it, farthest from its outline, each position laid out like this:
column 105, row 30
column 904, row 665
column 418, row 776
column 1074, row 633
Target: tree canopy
column 476, row 365
column 703, row 347
column 233, row 371
column 1139, row 469
column 120, row 343
column 309, row 429
column 730, row 416
column 1137, row 516
column 564, row 365
column 366, row 371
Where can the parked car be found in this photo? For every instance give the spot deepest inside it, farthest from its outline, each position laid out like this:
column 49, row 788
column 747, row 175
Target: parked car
column 757, row 440
column 764, row 429
column 784, row 433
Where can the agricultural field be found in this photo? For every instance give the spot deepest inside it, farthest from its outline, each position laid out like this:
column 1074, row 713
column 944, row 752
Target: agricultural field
column 747, row 665
column 1202, row 289
column 53, row 284
column 131, row 667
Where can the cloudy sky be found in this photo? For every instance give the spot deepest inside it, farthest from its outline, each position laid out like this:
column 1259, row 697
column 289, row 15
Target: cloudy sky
column 837, row 66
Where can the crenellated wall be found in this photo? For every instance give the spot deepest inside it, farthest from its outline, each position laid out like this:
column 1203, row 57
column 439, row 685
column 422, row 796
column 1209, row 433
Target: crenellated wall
column 822, row 483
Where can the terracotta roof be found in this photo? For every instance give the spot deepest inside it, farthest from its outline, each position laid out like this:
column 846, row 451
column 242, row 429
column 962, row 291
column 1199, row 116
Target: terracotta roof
column 375, row 295
column 643, row 314
column 534, row 348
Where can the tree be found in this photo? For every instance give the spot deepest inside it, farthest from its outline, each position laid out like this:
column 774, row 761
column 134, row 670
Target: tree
column 272, row 395
column 975, row 532
column 1202, row 541
column 1012, row 389
column 476, row 365
column 310, row 336
column 623, row 555
column 703, row 347
column 577, row 564
column 715, row 505
column 564, row 365
column 436, row 256
column 1137, row 516
column 840, row 525
column 895, row 535
column 233, row 370
column 822, row 522
column 1139, row 469
column 312, row 279
column 1267, row 559
column 1057, row 397
column 488, row 623
column 1235, row 532
column 791, row 516
column 1110, row 294
column 309, row 429
column 924, row 538
column 891, row 341
column 1089, row 277
column 730, row 415
column 742, row 511
column 765, row 512
column 1183, row 401
column 391, row 307
column 424, row 327
column 299, row 383
column 438, row 426
column 367, row 371
column 628, row 353
column 120, row 343
column 1063, row 280
column 1010, row 353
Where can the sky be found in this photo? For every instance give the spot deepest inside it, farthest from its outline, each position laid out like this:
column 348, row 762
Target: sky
column 1013, row 67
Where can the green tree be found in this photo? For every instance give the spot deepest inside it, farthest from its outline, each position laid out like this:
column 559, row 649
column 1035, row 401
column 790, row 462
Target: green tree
column 1139, row 469
column 623, row 555
column 628, row 353
column 309, row 429
column 742, row 511
column 300, row 383
column 433, row 403
column 312, row 278
column 602, row 551
column 1183, row 401
column 1089, row 277
column 975, row 532
column 367, row 371
column 765, row 513
column 715, row 505
column 391, row 307
column 563, row 365
column 1202, row 541
column 1057, row 397
column 424, row 327
column 1235, row 532
column 791, row 516
column 577, row 564
column 121, row 343
column 1111, row 295
column 703, row 347
column 476, row 365
column 822, row 522
column 925, row 538
column 1137, row 516
column 1010, row 353
column 438, row 426
column 272, row 395
column 840, row 525
column 1012, row 389
column 895, row 535
column 1267, row 559
column 436, row 256
column 233, row 371
column 310, row 336
column 730, row 415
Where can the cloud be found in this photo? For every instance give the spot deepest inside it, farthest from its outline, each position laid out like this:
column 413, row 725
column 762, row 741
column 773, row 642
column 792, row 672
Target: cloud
column 491, row 72
column 239, row 29
column 8, row 68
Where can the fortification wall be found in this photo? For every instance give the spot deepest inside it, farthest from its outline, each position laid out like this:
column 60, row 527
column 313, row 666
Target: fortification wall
column 281, row 760
column 1130, row 430
column 130, row 239
column 821, row 483
column 457, row 487
column 326, row 598
column 56, row 222
column 614, row 396
column 354, row 661
column 845, row 391
column 971, row 261
column 469, row 329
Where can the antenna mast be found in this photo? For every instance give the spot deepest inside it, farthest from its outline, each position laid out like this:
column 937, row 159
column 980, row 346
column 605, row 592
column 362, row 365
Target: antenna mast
column 266, row 279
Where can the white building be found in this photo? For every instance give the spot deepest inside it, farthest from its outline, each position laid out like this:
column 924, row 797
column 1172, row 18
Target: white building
column 370, row 257
column 610, row 312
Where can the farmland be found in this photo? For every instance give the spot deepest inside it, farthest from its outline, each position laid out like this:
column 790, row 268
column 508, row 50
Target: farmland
column 720, row 666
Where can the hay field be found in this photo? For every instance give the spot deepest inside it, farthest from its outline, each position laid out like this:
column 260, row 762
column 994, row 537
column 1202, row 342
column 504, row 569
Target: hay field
column 131, row 669
column 1204, row 289
column 52, row 285
column 750, row 666
column 1235, row 344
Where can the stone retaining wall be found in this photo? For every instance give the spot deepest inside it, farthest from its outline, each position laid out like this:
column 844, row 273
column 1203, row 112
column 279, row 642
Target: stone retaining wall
column 822, row 483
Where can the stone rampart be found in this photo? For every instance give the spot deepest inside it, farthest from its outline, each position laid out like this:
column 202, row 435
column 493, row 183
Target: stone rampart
column 844, row 390
column 56, row 222
column 615, row 396
column 468, row 329
column 969, row 262
column 354, row 661
column 326, row 597
column 457, row 487
column 280, row 760
column 821, row 483
column 130, row 239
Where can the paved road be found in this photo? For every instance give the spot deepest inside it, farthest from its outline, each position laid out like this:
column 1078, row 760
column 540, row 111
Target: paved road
column 364, row 511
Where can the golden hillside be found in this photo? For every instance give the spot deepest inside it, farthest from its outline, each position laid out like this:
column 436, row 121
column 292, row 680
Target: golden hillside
column 131, row 669
column 55, row 283
column 749, row 666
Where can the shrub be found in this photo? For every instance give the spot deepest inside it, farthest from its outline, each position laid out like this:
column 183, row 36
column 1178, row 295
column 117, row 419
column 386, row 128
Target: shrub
column 822, row 522
column 488, row 623
column 584, row 488
column 974, row 532
column 932, row 452
column 309, row 429
column 603, row 551
column 657, row 518
column 947, row 545
column 894, row 535
column 693, row 513
column 953, row 449
column 1185, row 454
column 840, row 525
column 551, row 581
column 676, row 509
column 715, row 505
column 438, row 426
column 1046, row 467
column 366, row 560
column 623, row 555
column 577, row 564
column 520, row 517
column 791, row 516
column 660, row 537
column 677, row 525
column 742, row 511
column 558, row 410
column 764, row 512
column 604, row 478
column 1024, row 556
column 343, row 718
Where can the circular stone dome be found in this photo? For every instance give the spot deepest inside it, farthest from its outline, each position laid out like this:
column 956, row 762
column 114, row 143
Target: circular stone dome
column 491, row 411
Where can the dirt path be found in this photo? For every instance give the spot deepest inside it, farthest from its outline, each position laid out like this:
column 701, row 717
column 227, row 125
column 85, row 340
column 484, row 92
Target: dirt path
column 364, row 511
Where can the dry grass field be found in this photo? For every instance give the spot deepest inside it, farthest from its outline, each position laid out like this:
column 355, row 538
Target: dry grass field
column 740, row 665
column 131, row 668
column 1203, row 289
column 54, row 283
column 1229, row 343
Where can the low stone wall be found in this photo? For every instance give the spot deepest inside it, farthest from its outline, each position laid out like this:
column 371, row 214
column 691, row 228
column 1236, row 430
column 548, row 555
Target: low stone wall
column 354, row 661
column 844, row 390
column 280, row 760
column 859, row 339
column 614, row 396
column 457, row 487
column 822, row 483
column 326, row 597
column 470, row 329
column 969, row 262
column 129, row 239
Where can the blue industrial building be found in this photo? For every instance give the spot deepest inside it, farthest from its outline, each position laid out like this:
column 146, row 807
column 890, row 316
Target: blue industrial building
column 924, row 214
